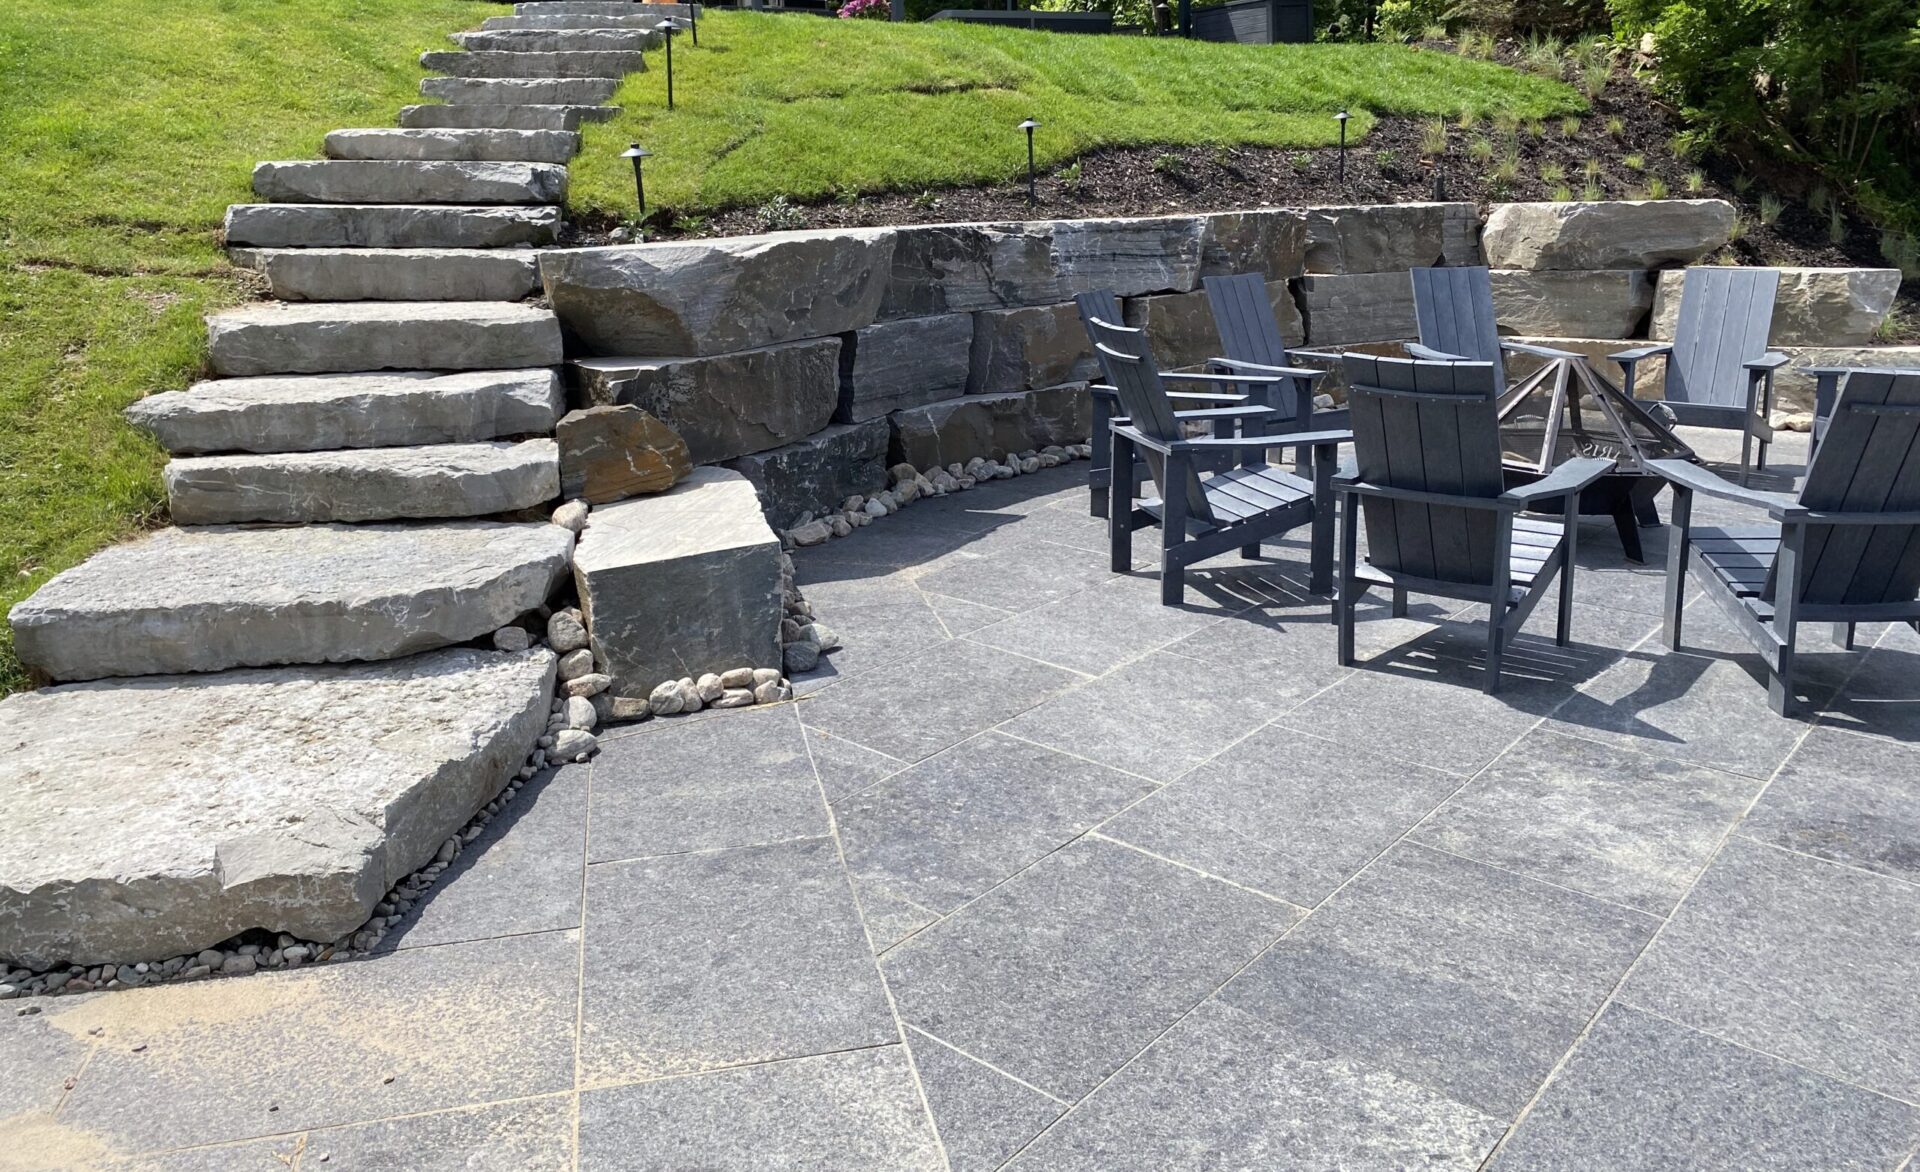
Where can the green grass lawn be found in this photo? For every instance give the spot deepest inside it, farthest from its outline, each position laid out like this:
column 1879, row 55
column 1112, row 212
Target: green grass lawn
column 804, row 107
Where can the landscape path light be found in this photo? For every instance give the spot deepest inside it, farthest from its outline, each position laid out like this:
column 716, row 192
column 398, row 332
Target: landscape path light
column 669, row 25
column 636, row 152
column 693, row 22
column 1341, row 118
column 1033, row 194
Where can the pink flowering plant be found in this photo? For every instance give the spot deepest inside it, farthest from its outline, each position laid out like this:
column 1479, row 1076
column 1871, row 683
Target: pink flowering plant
column 853, row 9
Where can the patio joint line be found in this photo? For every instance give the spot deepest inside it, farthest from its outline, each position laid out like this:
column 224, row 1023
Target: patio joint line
column 1908, row 1100
column 580, row 958
column 1205, row 874
column 726, row 1068
column 1822, row 859
column 972, row 1057
column 398, row 949
column 706, row 850
column 1465, row 858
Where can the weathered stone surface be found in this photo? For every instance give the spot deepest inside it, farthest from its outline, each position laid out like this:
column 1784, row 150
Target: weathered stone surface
column 1180, row 327
column 611, row 453
column 715, row 296
column 183, row 600
column 1624, row 234
column 1384, row 238
column 477, row 144
column 514, row 91
column 726, row 405
column 154, row 818
column 399, row 274
column 681, row 584
column 537, row 117
column 1358, row 307
column 1813, row 307
column 273, row 338
column 1131, row 257
column 363, row 484
column 1268, row 241
column 376, row 226
column 409, row 181
column 818, row 472
column 573, row 20
column 948, row 268
column 509, row 63
column 597, row 38
column 955, row 431
column 1596, row 304
column 320, row 412
column 1038, row 346
column 908, row 363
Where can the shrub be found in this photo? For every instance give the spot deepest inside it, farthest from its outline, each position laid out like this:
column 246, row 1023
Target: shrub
column 1170, row 165
column 1552, row 173
column 1433, row 137
column 1592, row 192
column 1562, row 194
column 1616, row 126
column 1569, row 127
column 1479, row 149
column 777, row 215
column 1657, row 188
column 871, row 9
column 1696, row 182
column 1634, row 162
column 1770, row 208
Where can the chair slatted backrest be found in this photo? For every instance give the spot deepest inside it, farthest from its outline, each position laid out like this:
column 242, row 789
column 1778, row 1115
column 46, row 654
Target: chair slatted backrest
column 1249, row 332
column 1144, row 399
column 1869, row 463
column 1454, row 310
column 1428, row 427
column 1098, row 305
column 1725, row 316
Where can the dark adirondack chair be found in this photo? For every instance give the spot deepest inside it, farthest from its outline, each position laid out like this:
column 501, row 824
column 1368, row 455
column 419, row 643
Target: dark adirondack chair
column 1846, row 550
column 1251, row 344
column 1453, row 308
column 1719, row 371
column 1428, row 484
column 1204, row 515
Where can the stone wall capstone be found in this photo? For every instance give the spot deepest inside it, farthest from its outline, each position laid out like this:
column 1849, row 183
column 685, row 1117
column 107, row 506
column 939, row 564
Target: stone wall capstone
column 1625, row 234
column 727, row 405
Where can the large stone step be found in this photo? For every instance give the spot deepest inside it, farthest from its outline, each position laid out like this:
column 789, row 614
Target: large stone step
column 399, row 274
column 600, row 8
column 321, row 412
column 364, row 484
column 409, row 181
column 159, row 817
column 558, row 40
column 510, row 91
column 510, row 63
column 505, row 117
column 565, row 21
column 476, row 145
column 318, row 338
column 187, row 600
column 320, row 225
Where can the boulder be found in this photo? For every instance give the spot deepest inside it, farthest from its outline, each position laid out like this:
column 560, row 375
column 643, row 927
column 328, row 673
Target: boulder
column 611, row 453
column 503, row 91
column 549, row 117
column 319, row 412
column 1813, row 307
column 535, row 63
column 1130, row 257
column 1608, row 303
column 1268, row 241
column 182, row 600
column 1384, row 238
column 990, row 426
column 817, row 473
column 907, row 363
column 950, row 268
column 682, row 583
column 286, row 225
column 1037, row 346
column 409, row 181
column 1180, row 327
column 152, row 818
column 726, row 405
column 476, row 144
column 1357, row 307
column 399, row 274
column 1623, row 234
column 315, row 338
column 716, row 296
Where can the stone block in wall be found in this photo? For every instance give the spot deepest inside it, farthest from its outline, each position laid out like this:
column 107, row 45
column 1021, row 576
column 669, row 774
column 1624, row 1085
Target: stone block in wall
column 1813, row 307
column 1037, row 346
column 725, row 405
column 1381, row 238
column 1623, row 234
column 1180, row 326
column 1357, row 307
column 611, row 453
column 906, row 363
column 1268, row 241
column 1609, row 303
column 716, row 296
column 1131, row 257
column 959, row 429
column 818, row 472
column 680, row 584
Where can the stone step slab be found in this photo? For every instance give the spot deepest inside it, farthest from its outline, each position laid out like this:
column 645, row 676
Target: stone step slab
column 409, row 181
column 473, row 145
column 364, row 484
column 319, row 225
column 602, row 8
column 323, row 412
column 506, row 91
column 504, row 117
column 154, row 818
column 399, row 274
column 558, row 40
column 564, row 21
column 194, row 600
column 516, row 64
column 320, row 337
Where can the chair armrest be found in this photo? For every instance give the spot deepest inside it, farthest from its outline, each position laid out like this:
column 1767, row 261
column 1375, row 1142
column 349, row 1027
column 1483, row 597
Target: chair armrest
column 1307, row 439
column 1223, row 379
column 1766, row 362
column 1234, row 364
column 1795, row 515
column 1536, row 351
column 1344, row 483
column 1565, row 480
column 1254, row 411
column 1206, row 397
column 1640, row 352
column 1693, row 478
column 1207, row 443
column 1213, row 443
column 1315, row 355
column 1429, row 354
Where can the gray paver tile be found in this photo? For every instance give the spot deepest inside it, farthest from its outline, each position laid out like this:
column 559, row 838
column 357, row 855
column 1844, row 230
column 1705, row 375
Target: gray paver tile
column 304, row 1048
column 1225, row 1090
column 1882, row 698
column 982, row 1115
column 1797, row 957
column 1065, row 972
column 1847, row 798
column 262, row 1155
column 846, row 768
column 734, row 779
column 1102, row 627
column 962, row 617
column 701, row 961
column 878, row 619
column 1468, row 980
column 1014, row 576
column 1642, row 1094
column 1284, row 812
column 920, row 705
column 533, row 1135
column 1631, row 828
column 36, row 1059
column 856, row 1112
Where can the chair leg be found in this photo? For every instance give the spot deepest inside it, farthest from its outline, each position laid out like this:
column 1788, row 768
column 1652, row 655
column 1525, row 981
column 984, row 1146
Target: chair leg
column 1096, row 491
column 1496, row 643
column 1563, row 618
column 1173, row 533
column 1399, row 609
column 1120, row 512
column 1250, row 551
column 1780, row 695
column 1679, row 546
column 1350, row 591
column 1746, row 459
column 1843, row 636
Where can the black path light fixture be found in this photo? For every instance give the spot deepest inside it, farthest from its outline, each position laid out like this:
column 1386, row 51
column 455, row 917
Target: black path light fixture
column 668, row 26
column 693, row 22
column 1033, row 193
column 1341, row 118
column 636, row 152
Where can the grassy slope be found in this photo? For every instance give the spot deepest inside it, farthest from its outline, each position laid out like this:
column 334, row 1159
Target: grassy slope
column 801, row 106
column 126, row 128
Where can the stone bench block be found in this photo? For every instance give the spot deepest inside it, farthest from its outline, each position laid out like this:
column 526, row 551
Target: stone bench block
column 1180, row 327
column 726, row 405
column 1813, row 307
column 316, row 338
column 817, row 473
column 1383, row 238
column 505, row 117
column 399, row 274
column 322, row 412
column 509, row 63
column 907, row 363
column 1597, row 304
column 1622, row 234
column 476, row 144
column 1357, row 307
column 955, row 431
column 1039, row 346
column 186, row 600
column 510, row 91
column 288, row 225
column 559, row 40
column 154, row 818
column 363, row 484
column 409, row 181
column 682, row 583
